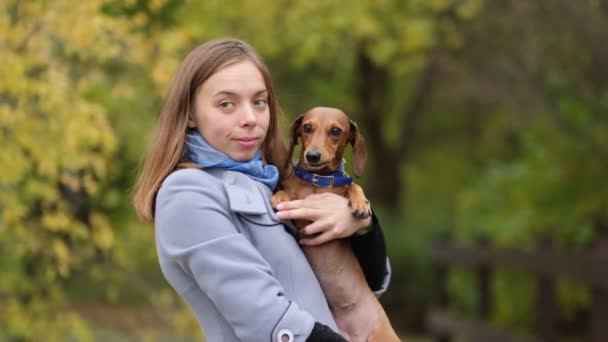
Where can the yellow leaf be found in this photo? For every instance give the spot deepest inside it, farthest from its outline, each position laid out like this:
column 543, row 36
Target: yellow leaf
column 103, row 236
column 62, row 256
column 56, row 221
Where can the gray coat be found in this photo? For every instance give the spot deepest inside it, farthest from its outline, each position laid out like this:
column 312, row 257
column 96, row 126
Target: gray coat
column 222, row 248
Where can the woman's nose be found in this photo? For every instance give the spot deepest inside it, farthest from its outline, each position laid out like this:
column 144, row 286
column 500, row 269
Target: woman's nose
column 248, row 116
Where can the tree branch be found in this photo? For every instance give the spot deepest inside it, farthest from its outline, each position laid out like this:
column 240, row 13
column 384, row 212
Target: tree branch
column 417, row 105
column 422, row 93
column 372, row 93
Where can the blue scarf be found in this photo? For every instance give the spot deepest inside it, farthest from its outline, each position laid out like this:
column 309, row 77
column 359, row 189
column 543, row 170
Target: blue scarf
column 199, row 151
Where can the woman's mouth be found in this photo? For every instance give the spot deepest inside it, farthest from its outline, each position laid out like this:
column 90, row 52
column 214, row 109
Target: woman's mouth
column 247, row 142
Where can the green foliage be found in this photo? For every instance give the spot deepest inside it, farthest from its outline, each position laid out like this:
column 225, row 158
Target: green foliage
column 59, row 205
column 551, row 184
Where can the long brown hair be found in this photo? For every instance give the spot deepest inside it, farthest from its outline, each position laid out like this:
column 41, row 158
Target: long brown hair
column 166, row 150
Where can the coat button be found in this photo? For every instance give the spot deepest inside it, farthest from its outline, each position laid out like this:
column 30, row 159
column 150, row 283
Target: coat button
column 285, row 335
column 229, row 177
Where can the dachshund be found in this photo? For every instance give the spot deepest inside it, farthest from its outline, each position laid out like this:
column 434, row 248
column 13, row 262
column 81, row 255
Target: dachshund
column 325, row 134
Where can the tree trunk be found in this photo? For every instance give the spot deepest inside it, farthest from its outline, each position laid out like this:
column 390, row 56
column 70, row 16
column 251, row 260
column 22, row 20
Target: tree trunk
column 385, row 185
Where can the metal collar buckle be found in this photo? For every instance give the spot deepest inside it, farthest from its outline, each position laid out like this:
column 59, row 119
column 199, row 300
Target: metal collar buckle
column 316, row 178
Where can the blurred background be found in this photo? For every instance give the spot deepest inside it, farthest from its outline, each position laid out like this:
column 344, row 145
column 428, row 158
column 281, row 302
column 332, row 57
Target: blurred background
column 485, row 120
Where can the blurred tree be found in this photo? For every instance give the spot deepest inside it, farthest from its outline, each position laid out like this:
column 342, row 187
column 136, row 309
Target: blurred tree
column 552, row 81
column 57, row 150
column 541, row 143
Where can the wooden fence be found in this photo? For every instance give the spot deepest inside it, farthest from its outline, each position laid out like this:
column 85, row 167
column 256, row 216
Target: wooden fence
column 545, row 264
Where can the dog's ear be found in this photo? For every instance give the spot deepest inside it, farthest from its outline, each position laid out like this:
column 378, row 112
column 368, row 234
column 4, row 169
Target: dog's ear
column 294, row 135
column 359, row 155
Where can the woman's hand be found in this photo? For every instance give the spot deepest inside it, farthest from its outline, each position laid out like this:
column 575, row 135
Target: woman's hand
column 330, row 214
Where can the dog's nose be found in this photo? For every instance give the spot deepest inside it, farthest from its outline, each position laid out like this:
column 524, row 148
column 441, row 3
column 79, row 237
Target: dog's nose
column 313, row 157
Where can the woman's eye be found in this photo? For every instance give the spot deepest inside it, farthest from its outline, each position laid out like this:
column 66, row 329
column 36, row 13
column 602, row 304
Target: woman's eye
column 336, row 131
column 260, row 103
column 307, row 128
column 226, row 105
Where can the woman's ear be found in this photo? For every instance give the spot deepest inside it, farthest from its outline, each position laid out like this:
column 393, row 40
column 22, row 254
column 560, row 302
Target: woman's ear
column 191, row 123
column 359, row 156
column 294, row 135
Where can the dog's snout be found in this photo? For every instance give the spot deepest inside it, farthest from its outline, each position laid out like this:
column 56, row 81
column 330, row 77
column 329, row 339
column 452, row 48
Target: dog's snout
column 313, row 157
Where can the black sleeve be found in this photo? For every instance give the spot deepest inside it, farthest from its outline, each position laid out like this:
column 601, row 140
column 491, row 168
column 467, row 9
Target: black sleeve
column 370, row 250
column 323, row 333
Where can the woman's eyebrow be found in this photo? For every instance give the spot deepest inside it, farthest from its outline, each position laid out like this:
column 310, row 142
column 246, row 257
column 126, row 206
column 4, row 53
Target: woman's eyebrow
column 232, row 93
column 225, row 92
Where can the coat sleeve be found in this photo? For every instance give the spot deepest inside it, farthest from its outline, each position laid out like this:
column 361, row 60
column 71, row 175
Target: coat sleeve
column 194, row 229
column 370, row 250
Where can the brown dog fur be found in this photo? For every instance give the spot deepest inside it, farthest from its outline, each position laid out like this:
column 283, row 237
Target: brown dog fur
column 327, row 131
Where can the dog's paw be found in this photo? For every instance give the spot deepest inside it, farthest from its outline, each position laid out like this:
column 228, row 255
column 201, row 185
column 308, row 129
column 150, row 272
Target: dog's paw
column 361, row 209
column 279, row 197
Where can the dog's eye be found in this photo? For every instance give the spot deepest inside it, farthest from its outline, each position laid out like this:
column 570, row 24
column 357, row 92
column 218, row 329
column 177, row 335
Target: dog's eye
column 307, row 128
column 336, row 131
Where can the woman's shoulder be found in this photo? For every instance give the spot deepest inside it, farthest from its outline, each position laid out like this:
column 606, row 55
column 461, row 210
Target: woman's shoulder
column 189, row 177
column 190, row 189
column 192, row 181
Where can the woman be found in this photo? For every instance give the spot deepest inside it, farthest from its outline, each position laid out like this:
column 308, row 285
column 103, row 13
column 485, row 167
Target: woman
column 206, row 183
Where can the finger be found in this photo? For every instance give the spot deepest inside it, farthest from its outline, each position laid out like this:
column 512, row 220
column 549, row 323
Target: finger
column 303, row 203
column 290, row 205
column 299, row 214
column 315, row 228
column 317, row 240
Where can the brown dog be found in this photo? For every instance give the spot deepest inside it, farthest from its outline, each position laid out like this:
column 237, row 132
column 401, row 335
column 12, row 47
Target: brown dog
column 325, row 132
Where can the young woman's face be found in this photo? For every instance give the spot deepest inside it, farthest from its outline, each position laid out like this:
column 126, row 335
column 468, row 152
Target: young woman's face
column 231, row 110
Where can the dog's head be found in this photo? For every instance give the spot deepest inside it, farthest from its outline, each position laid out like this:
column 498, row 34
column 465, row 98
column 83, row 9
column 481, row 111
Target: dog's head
column 325, row 132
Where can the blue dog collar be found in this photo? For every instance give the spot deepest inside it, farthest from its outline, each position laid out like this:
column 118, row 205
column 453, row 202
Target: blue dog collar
column 337, row 178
